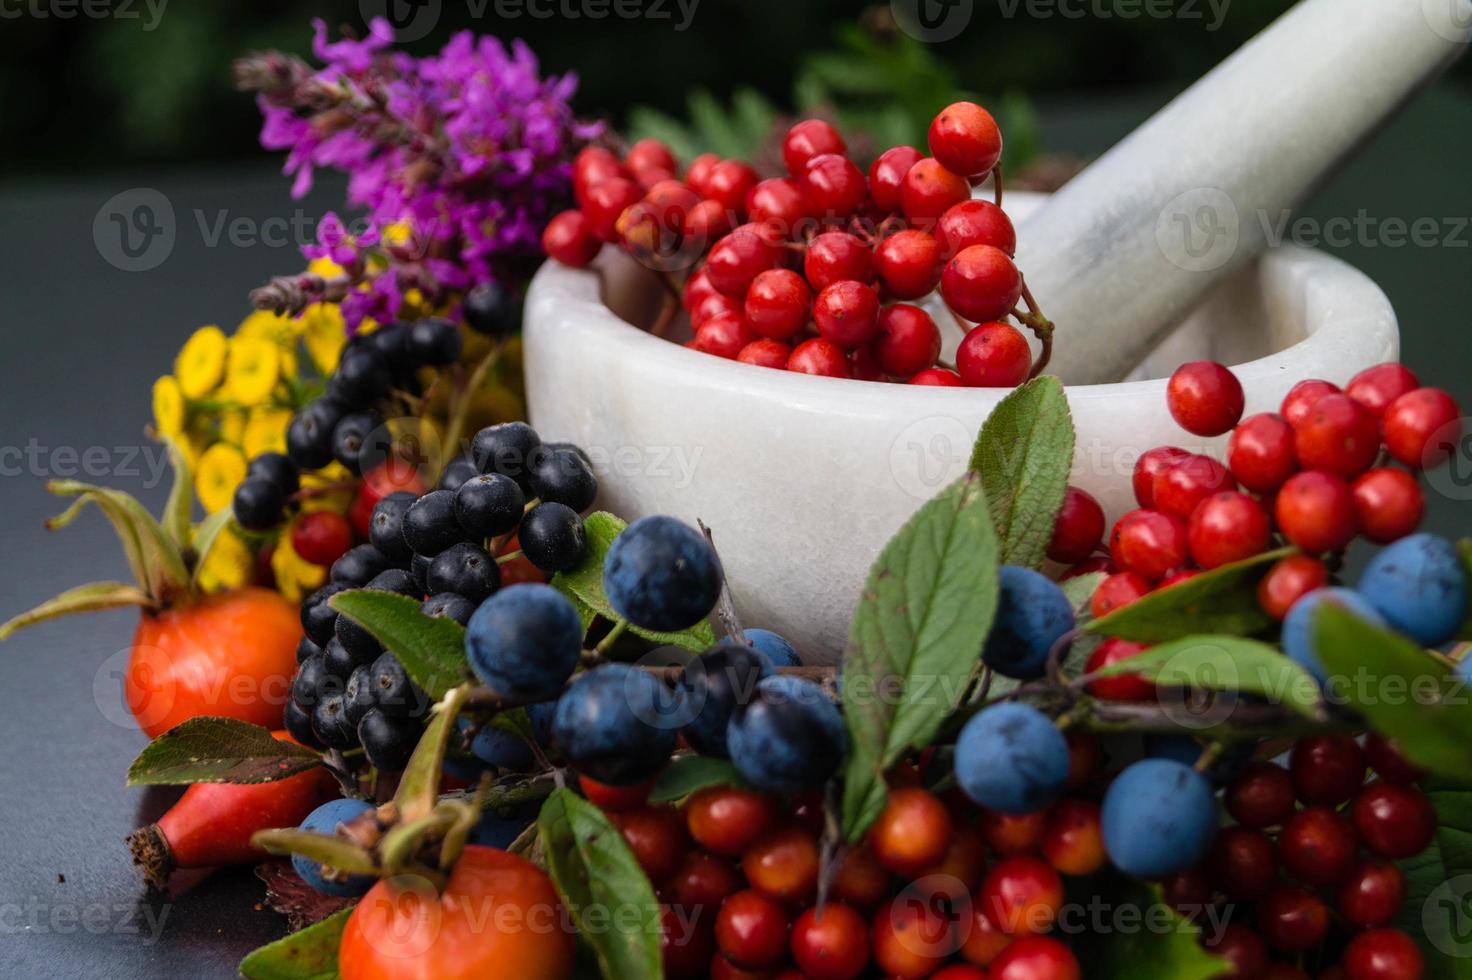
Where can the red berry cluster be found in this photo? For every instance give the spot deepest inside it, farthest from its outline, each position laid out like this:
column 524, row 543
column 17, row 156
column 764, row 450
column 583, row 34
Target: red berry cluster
column 815, row 271
column 739, row 870
column 1311, row 860
column 1316, row 474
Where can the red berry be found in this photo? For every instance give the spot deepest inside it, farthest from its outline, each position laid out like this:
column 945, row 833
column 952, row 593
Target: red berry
column 1243, row 949
column 777, row 201
column 1260, row 452
column 777, row 303
column 783, row 864
column 965, row 139
column 714, row 304
column 959, row 869
column 703, row 882
column 612, row 799
column 1079, row 529
column 1012, row 833
column 861, row 880
column 592, row 166
column 725, row 819
column 606, row 201
column 724, row 335
column 1376, row 387
column 687, row 942
column 1388, row 762
column 321, row 537
column 1188, row 892
column 1338, row 435
column 1122, row 687
column 1318, row 847
column 568, row 240
column 821, row 357
column 981, row 940
column 863, row 364
column 728, row 184
column 1205, row 398
column 981, row 283
column 1389, row 503
column 739, row 258
column 1383, row 954
column 1327, row 769
column 751, row 930
column 1292, row 919
column 699, row 172
column 1394, row 821
column 1302, row 397
column 1241, row 863
column 1289, row 580
column 847, row 313
column 705, row 223
column 1148, row 543
column 937, row 378
column 1422, row 427
column 1178, row 576
column 1261, row 796
column 1021, row 894
column 656, row 835
column 912, row 936
column 975, row 223
column 909, row 263
column 766, row 353
column 908, row 341
column 1035, row 958
column 1373, row 894
column 1085, row 757
column 1182, row 485
column 1073, row 838
column 1116, row 592
column 808, row 139
column 832, row 944
column 835, row 256
column 912, row 833
column 1315, row 510
column 650, row 153
column 960, row 971
column 927, row 190
column 1228, row 527
column 1150, row 465
column 887, row 173
column 994, row 355
column 833, row 186
column 721, row 968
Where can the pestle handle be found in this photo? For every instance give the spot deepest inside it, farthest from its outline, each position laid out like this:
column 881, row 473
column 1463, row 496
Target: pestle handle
column 1130, row 245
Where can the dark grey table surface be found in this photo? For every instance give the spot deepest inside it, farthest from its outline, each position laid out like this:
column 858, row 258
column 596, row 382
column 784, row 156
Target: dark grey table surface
column 83, row 342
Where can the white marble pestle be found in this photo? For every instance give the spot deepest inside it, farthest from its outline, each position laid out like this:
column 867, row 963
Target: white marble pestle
column 1132, row 243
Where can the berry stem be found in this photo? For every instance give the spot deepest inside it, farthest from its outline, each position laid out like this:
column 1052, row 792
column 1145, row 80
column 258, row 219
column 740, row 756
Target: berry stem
column 509, row 557
column 604, row 645
column 997, row 185
column 1040, row 325
column 667, row 312
column 725, row 611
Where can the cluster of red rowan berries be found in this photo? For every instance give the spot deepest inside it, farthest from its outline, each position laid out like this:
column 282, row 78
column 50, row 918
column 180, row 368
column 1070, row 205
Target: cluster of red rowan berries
column 817, row 271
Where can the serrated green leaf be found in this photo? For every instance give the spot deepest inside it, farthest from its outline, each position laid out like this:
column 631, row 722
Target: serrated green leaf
column 1404, row 692
column 93, row 597
column 1024, row 453
column 916, row 639
column 601, row 883
column 1226, row 663
column 218, row 750
column 309, row 954
column 690, row 774
column 1149, row 938
column 431, row 648
column 1223, row 600
column 584, row 585
column 1439, row 887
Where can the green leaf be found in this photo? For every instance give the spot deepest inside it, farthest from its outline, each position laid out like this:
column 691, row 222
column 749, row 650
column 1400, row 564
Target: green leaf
column 1223, row 600
column 916, row 639
column 328, row 849
column 1438, row 886
column 180, row 505
column 690, row 774
column 156, row 559
column 584, row 584
column 1149, row 938
column 1404, row 692
column 419, row 785
column 310, row 954
column 431, row 648
column 84, row 598
column 601, row 883
column 1226, row 663
column 218, row 750
column 1024, row 453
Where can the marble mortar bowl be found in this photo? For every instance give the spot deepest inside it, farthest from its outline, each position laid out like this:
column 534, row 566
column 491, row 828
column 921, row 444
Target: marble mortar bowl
column 803, row 479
